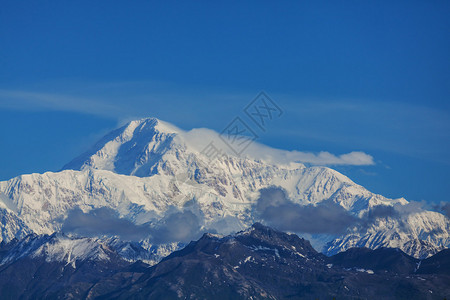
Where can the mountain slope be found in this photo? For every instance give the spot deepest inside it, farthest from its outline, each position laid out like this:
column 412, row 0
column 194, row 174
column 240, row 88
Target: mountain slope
column 381, row 259
column 133, row 149
column 151, row 173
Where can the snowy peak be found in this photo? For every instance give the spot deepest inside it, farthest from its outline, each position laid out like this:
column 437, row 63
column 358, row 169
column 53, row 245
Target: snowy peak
column 57, row 248
column 150, row 146
column 152, row 123
column 133, row 149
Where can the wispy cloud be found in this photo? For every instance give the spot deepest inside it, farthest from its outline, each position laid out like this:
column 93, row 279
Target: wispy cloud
column 200, row 138
column 103, row 221
column 355, row 158
column 176, row 226
column 25, row 100
column 444, row 208
column 276, row 209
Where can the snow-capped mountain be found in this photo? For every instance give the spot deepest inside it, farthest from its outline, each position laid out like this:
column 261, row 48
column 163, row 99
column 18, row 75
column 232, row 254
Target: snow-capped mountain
column 167, row 191
column 58, row 247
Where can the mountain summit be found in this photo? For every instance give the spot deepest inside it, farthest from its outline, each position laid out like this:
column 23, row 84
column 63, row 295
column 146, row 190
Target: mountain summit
column 132, row 149
column 148, row 189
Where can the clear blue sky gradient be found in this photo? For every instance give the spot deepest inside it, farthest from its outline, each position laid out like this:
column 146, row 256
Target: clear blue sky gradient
column 350, row 76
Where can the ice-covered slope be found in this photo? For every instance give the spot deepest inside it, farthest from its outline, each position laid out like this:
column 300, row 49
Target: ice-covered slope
column 133, row 149
column 149, row 170
column 12, row 226
column 58, row 247
column 418, row 234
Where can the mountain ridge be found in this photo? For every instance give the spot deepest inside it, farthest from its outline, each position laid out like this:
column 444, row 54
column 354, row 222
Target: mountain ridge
column 166, row 177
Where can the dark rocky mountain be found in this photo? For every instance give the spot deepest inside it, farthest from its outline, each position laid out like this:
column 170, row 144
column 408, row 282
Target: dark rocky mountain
column 437, row 264
column 39, row 267
column 259, row 263
column 382, row 259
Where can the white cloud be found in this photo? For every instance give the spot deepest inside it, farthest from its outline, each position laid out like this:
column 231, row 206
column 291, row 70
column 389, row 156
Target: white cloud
column 356, row 158
column 24, row 100
column 199, row 138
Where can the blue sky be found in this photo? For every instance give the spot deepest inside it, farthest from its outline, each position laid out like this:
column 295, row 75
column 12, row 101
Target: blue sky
column 350, row 76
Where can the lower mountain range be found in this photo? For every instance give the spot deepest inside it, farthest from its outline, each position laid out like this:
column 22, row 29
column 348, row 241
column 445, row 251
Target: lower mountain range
column 258, row 263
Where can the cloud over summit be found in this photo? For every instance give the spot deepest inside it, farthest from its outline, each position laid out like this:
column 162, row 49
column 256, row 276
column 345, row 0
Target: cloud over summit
column 199, row 138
